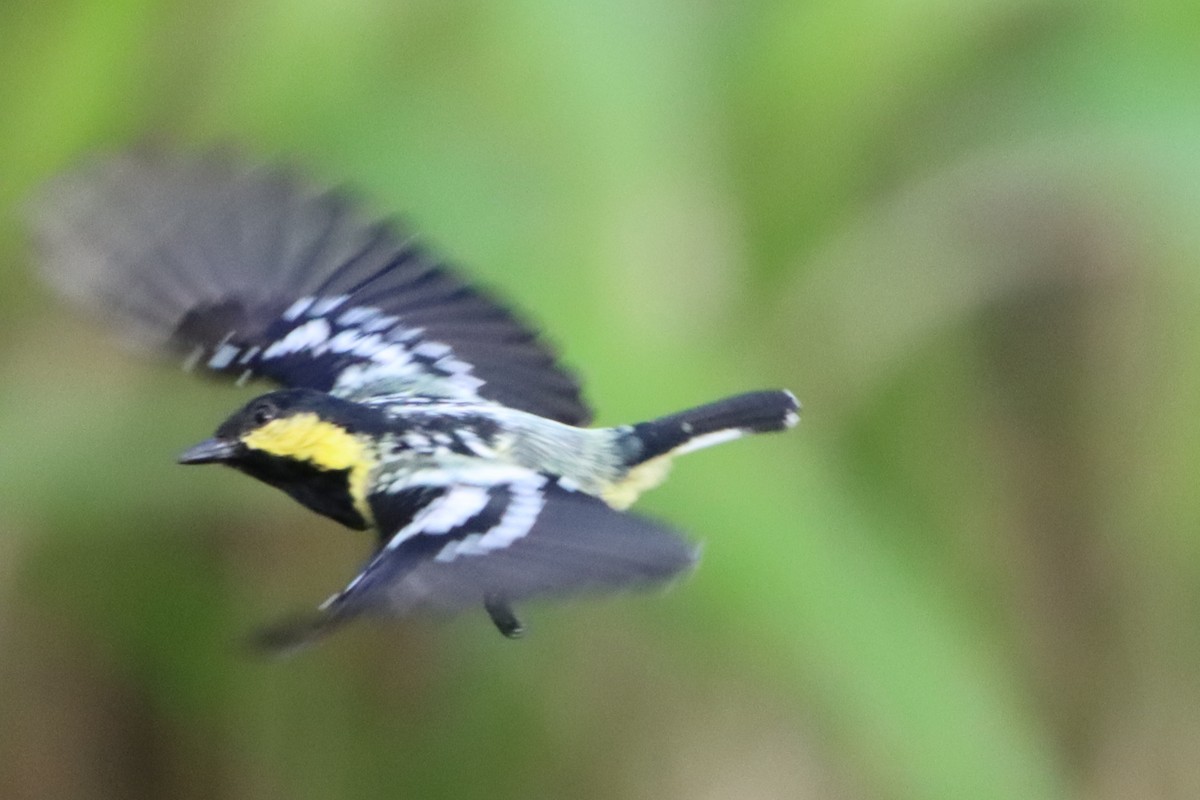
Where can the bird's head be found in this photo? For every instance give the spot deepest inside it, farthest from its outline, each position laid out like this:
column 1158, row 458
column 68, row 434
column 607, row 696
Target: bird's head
column 316, row 447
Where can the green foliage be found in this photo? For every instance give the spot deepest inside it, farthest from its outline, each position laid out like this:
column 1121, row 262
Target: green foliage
column 962, row 232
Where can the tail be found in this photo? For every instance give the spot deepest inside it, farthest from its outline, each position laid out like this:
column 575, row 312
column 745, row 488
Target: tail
column 722, row 421
column 651, row 445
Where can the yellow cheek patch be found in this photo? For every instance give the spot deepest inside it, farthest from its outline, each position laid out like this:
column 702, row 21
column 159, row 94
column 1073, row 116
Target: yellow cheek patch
column 307, row 437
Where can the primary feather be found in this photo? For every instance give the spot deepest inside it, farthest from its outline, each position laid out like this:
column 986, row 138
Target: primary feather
column 250, row 272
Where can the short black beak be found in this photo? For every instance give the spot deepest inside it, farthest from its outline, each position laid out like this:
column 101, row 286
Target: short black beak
column 210, row 451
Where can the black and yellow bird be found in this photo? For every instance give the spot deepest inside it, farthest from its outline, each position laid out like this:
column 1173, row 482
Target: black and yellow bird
column 415, row 406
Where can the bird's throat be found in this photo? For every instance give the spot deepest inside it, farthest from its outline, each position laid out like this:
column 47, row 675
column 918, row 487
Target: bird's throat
column 327, row 450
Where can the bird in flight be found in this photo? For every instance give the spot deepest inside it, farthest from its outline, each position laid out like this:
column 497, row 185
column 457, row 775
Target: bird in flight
column 412, row 404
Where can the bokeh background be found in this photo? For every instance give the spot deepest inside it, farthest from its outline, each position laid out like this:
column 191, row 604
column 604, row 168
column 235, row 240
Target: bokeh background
column 965, row 232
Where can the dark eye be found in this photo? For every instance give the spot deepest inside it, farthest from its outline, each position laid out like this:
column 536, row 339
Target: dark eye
column 263, row 412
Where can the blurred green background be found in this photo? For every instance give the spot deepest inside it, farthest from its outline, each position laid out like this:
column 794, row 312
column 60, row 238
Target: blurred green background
column 964, row 232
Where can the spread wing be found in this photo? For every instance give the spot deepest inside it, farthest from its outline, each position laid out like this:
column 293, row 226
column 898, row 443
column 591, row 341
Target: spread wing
column 250, row 272
column 467, row 546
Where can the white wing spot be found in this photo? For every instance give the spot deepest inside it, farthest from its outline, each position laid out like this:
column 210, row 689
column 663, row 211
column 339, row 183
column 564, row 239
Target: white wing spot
column 308, row 336
column 344, row 341
column 326, row 304
column 369, row 346
column 297, row 308
column 380, row 323
column 356, row 315
column 432, row 349
column 405, row 334
column 224, row 356
column 394, row 355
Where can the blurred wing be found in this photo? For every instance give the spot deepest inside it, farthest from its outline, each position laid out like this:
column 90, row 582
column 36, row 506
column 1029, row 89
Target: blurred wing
column 516, row 540
column 249, row 272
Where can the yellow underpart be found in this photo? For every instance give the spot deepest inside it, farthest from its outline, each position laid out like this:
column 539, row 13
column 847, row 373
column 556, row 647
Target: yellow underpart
column 640, row 479
column 307, row 437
